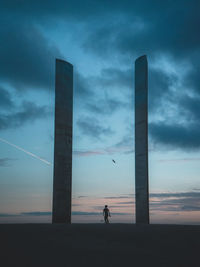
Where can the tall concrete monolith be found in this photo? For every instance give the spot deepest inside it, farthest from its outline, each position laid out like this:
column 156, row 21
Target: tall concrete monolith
column 62, row 183
column 141, row 140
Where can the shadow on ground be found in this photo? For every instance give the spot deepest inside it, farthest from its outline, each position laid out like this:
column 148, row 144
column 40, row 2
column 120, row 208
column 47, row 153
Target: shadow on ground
column 46, row 245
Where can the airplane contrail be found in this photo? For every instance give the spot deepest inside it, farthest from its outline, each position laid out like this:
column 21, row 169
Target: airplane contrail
column 25, row 151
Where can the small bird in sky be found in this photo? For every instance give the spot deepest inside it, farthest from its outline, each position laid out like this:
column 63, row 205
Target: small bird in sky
column 113, row 160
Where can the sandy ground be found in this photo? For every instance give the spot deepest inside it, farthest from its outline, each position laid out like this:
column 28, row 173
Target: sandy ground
column 113, row 245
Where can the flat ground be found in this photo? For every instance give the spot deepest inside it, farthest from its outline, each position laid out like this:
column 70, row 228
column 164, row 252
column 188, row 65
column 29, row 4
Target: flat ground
column 112, row 245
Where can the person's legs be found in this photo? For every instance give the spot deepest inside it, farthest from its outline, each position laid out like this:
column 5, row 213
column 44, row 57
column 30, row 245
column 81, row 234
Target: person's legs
column 106, row 219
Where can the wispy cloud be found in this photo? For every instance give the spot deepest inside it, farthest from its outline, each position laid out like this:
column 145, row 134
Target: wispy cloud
column 161, row 204
column 106, row 151
column 178, row 201
column 8, row 214
column 36, row 213
column 176, row 194
column 126, row 202
column 49, row 213
column 88, row 153
column 119, row 197
column 179, row 160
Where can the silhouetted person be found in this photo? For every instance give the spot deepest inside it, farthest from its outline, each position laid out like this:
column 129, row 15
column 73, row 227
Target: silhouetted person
column 106, row 213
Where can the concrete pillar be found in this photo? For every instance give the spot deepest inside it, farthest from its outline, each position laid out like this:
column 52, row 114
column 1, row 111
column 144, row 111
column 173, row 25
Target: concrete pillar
column 141, row 140
column 62, row 183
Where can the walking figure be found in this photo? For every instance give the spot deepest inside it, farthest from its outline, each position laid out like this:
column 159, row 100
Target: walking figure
column 106, row 213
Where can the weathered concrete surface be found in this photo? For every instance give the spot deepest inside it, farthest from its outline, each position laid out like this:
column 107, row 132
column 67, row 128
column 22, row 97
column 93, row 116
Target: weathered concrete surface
column 141, row 140
column 62, row 183
column 99, row 245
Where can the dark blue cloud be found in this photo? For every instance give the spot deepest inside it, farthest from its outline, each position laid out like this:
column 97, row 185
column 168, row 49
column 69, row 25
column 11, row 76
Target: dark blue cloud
column 122, row 30
column 175, row 136
column 28, row 112
column 5, row 162
column 190, row 106
column 106, row 106
column 82, row 88
column 6, row 101
column 148, row 27
column 91, row 127
column 27, row 58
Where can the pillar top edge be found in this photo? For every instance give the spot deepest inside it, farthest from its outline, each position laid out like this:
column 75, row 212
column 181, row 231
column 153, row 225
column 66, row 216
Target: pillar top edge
column 64, row 61
column 143, row 57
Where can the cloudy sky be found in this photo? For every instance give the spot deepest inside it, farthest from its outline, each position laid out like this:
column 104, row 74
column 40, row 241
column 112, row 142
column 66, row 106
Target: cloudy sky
column 101, row 39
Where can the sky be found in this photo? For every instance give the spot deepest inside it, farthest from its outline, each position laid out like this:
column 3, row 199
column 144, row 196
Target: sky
column 102, row 39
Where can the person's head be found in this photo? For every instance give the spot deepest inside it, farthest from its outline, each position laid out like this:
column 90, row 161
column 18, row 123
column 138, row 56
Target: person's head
column 106, row 206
